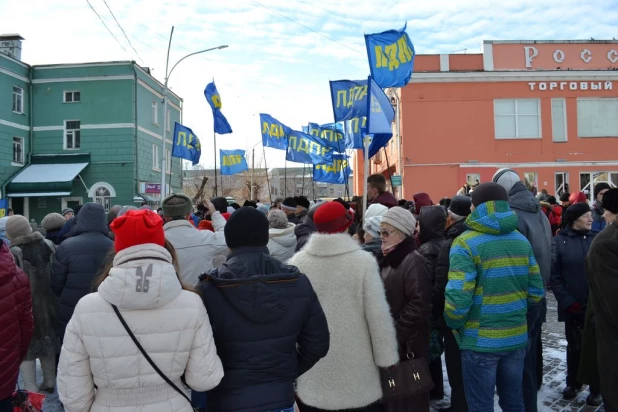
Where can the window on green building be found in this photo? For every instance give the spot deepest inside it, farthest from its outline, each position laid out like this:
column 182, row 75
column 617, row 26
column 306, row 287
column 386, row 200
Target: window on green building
column 18, row 99
column 72, row 97
column 18, row 150
column 155, row 113
column 155, row 157
column 72, row 134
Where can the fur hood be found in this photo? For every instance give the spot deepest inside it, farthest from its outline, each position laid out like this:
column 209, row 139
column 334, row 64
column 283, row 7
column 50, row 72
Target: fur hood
column 26, row 239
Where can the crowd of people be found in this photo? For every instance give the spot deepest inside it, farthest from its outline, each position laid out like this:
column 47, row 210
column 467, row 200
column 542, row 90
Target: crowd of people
column 311, row 306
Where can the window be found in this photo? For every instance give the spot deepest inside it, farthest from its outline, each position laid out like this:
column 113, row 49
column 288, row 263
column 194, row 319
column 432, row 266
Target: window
column 168, row 124
column 473, row 179
column 155, row 157
column 561, row 182
column 530, row 181
column 72, row 97
column 558, row 120
column 72, row 134
column 103, row 197
column 517, row 119
column 18, row 150
column 18, row 99
column 588, row 180
column 155, row 113
column 597, row 117
column 168, row 161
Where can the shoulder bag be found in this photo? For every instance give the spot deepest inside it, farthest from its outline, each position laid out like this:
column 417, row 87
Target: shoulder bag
column 405, row 379
column 155, row 367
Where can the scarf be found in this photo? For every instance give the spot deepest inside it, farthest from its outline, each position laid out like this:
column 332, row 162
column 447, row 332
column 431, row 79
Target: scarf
column 388, row 249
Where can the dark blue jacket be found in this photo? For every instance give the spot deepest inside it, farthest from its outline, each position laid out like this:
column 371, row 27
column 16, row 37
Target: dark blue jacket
column 568, row 270
column 269, row 329
column 65, row 232
column 79, row 260
column 598, row 221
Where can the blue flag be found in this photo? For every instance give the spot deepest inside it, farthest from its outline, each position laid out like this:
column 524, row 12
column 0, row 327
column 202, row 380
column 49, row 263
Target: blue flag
column 391, row 57
column 233, row 161
column 186, row 145
column 337, row 172
column 331, row 134
column 214, row 100
column 380, row 115
column 305, row 129
column 305, row 148
column 4, row 205
column 354, row 130
column 274, row 133
column 349, row 99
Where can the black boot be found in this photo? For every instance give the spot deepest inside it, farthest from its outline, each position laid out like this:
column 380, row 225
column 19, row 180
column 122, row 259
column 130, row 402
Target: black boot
column 570, row 392
column 594, row 399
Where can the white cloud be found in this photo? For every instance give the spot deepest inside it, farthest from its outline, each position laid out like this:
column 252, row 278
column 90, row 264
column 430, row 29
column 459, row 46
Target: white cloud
column 274, row 65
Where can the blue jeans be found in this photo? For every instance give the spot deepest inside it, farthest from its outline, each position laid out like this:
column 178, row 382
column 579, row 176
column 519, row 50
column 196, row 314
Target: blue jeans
column 483, row 372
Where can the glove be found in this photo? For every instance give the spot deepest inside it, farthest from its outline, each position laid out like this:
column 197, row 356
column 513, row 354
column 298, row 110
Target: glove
column 575, row 308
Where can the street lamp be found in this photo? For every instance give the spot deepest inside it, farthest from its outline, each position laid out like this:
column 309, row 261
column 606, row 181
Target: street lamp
column 253, row 168
column 165, row 90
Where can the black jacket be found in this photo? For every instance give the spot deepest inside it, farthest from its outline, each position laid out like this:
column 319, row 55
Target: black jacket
column 443, row 264
column 293, row 219
column 568, row 278
column 303, row 232
column 78, row 261
column 269, row 329
column 432, row 222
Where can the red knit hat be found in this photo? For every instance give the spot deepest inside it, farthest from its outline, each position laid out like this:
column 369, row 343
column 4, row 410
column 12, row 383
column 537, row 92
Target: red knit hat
column 578, row 197
column 332, row 218
column 137, row 227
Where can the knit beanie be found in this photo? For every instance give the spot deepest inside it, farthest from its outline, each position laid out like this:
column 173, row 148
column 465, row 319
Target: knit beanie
column 53, row 222
column 599, row 187
column 177, row 205
column 17, row 226
column 421, row 200
column 289, row 204
column 578, row 197
column 574, row 212
column 302, row 201
column 506, row 178
column 551, row 200
column 610, row 201
column 332, row 217
column 247, row 227
column 372, row 225
column 375, row 209
column 137, row 227
column 460, row 205
column 487, row 192
column 277, row 219
column 401, row 219
column 125, row 209
column 67, row 210
column 263, row 208
column 565, row 197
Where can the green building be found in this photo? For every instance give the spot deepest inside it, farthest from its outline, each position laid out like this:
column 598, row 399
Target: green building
column 77, row 133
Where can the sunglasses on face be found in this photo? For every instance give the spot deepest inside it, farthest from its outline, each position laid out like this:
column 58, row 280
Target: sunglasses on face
column 385, row 233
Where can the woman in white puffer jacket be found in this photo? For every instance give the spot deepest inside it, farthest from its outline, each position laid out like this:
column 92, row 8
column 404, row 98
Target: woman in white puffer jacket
column 101, row 369
column 281, row 237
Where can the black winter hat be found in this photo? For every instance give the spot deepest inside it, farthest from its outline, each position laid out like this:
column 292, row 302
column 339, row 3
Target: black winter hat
column 565, row 197
column 247, row 227
column 460, row 205
column 574, row 212
column 289, row 203
column 220, row 203
column 487, row 192
column 303, row 202
column 551, row 200
column 610, row 201
column 599, row 187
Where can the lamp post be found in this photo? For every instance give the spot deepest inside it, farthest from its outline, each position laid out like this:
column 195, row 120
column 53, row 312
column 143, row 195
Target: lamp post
column 253, row 169
column 396, row 103
column 165, row 90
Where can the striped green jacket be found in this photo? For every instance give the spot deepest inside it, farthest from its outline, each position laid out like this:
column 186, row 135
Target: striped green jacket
column 492, row 278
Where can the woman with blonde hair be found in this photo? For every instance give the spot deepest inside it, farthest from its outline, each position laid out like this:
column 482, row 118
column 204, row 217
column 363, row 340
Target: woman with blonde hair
column 140, row 332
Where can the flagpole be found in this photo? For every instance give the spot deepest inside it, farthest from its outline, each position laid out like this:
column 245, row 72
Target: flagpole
column 270, row 196
column 388, row 166
column 214, row 138
column 303, row 189
column 285, row 179
column 366, row 143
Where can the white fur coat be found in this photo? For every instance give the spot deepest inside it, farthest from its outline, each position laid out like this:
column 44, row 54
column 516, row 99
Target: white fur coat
column 362, row 335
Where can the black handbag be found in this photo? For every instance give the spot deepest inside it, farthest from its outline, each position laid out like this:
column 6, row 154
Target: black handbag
column 408, row 378
column 155, row 367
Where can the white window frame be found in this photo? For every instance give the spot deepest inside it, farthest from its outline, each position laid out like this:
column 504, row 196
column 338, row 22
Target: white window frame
column 517, row 137
column 155, row 113
column 21, row 143
column 564, row 110
column 589, row 188
column 155, row 158
column 168, row 161
column 20, row 103
column 577, row 108
column 168, row 118
column 72, row 92
column 66, row 133
column 564, row 183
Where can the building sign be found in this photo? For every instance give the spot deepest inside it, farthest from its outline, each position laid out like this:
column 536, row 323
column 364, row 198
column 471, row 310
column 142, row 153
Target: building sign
column 152, row 188
column 583, row 86
column 555, row 55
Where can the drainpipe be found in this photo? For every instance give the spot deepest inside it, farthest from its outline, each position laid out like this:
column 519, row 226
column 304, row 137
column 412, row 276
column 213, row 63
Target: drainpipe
column 135, row 169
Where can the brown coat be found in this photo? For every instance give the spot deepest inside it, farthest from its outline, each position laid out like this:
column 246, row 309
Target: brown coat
column 408, row 292
column 602, row 269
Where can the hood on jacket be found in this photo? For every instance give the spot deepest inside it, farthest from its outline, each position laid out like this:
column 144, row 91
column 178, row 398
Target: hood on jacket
column 421, row 200
column 570, row 232
column 387, row 199
column 432, row 223
column 137, row 270
column 493, row 218
column 91, row 218
column 321, row 244
column 521, row 198
column 251, row 281
column 284, row 237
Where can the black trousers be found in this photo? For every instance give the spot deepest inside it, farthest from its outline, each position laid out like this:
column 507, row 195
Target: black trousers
column 437, row 376
column 573, row 352
column 452, row 356
column 5, row 405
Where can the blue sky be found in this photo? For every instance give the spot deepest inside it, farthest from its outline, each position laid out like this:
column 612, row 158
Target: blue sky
column 276, row 65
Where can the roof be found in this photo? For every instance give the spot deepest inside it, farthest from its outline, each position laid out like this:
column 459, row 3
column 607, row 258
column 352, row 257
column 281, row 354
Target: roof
column 11, row 36
column 49, row 173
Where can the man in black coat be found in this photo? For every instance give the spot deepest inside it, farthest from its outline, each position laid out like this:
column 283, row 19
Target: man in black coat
column 458, row 210
column 78, row 260
column 267, row 322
